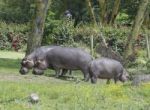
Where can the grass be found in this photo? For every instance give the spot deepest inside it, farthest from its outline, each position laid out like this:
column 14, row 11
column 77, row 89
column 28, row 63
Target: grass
column 60, row 94
column 11, row 55
column 9, row 61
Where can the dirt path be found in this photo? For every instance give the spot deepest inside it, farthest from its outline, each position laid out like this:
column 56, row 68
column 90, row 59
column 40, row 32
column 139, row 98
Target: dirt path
column 35, row 78
column 28, row 78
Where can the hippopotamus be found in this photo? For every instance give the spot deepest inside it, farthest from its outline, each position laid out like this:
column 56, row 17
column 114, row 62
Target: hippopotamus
column 67, row 58
column 106, row 68
column 29, row 61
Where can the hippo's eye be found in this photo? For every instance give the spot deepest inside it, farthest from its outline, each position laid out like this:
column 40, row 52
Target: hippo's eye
column 23, row 62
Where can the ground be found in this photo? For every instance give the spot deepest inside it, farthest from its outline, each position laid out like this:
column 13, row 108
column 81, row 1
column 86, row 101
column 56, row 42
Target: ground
column 65, row 93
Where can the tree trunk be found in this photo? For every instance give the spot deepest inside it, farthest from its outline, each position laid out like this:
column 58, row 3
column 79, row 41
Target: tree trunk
column 148, row 46
column 37, row 25
column 103, row 7
column 147, row 35
column 91, row 12
column 147, row 19
column 135, row 29
column 114, row 11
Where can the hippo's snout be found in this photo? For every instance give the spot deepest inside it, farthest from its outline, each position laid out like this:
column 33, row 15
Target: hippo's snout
column 37, row 71
column 23, row 71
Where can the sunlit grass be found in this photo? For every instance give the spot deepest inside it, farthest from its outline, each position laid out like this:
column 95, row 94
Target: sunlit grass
column 11, row 55
column 10, row 61
column 71, row 96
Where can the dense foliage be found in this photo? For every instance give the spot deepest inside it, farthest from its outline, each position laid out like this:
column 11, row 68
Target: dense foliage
column 13, row 36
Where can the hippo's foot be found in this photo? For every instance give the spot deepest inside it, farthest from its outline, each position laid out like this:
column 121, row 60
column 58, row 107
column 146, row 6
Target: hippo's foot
column 93, row 80
column 108, row 81
column 86, row 79
column 57, row 76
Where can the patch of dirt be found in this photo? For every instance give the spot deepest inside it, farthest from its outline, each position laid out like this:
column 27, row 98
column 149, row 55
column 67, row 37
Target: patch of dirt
column 29, row 78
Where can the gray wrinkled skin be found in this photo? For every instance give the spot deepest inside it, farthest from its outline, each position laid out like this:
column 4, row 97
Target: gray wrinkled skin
column 106, row 68
column 66, row 58
column 29, row 61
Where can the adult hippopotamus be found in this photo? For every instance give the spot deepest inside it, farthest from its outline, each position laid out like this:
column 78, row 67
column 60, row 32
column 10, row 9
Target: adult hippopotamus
column 28, row 62
column 65, row 58
column 106, row 68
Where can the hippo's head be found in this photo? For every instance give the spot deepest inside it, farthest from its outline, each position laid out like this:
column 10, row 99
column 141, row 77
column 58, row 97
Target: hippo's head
column 124, row 77
column 24, row 70
column 26, row 64
column 41, row 64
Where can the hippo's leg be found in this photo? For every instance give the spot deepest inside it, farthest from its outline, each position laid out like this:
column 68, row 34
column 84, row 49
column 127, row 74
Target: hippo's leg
column 64, row 71
column 86, row 75
column 57, row 72
column 108, row 81
column 70, row 72
column 93, row 79
column 115, row 79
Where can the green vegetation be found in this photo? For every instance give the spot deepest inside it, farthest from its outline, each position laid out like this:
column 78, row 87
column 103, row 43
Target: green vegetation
column 71, row 96
column 10, row 61
column 60, row 94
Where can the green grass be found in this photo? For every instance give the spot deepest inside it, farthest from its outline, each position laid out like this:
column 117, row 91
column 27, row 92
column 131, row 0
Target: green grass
column 68, row 94
column 71, row 96
column 10, row 61
column 11, row 55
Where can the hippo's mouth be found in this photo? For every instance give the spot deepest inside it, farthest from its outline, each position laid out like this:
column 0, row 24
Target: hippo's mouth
column 23, row 70
column 37, row 71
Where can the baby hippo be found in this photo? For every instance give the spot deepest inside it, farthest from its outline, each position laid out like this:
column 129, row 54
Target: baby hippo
column 106, row 68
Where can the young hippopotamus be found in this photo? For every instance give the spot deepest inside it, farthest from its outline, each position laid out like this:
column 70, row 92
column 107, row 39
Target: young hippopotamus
column 106, row 68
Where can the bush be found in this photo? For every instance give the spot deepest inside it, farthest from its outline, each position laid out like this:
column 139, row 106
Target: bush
column 13, row 36
column 62, row 32
column 59, row 33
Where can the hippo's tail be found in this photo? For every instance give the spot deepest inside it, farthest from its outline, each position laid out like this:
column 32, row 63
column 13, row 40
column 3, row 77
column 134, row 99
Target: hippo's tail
column 91, row 74
column 89, row 69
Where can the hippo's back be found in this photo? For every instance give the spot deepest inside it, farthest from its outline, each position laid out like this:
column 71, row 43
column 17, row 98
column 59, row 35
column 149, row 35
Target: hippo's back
column 69, row 57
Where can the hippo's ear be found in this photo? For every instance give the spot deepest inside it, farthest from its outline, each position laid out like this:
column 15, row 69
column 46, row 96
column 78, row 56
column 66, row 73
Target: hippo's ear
column 23, row 62
column 39, row 61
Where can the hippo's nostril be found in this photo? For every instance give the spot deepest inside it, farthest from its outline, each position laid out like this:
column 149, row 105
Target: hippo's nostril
column 22, row 71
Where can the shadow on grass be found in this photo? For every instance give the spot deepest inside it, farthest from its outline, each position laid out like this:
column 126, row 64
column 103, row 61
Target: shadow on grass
column 10, row 63
column 65, row 77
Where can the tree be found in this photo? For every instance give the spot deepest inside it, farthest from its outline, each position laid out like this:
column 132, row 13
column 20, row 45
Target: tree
column 91, row 12
column 21, row 11
column 139, row 18
column 102, row 5
column 147, row 18
column 37, row 25
column 148, row 44
column 114, row 11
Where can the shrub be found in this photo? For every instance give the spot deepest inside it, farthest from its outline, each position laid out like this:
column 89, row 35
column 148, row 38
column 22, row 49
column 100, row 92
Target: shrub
column 62, row 32
column 13, row 36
